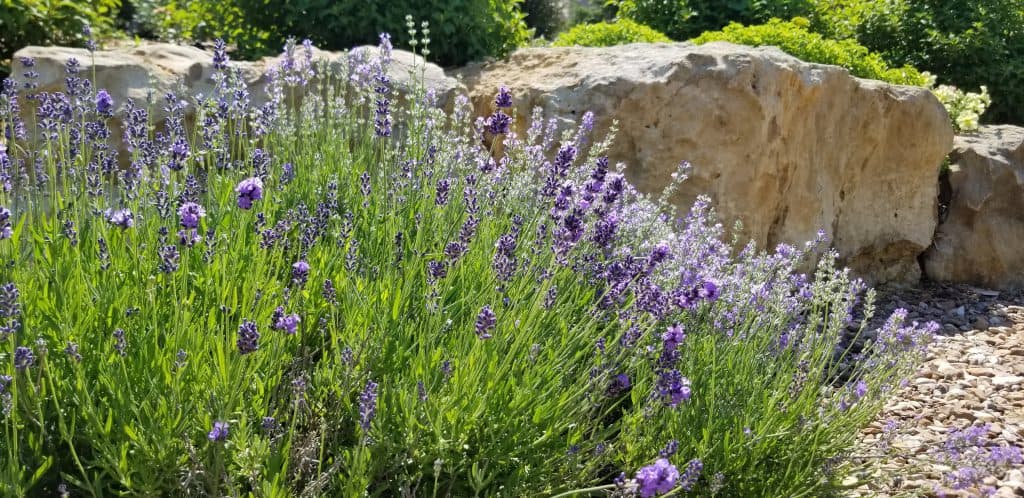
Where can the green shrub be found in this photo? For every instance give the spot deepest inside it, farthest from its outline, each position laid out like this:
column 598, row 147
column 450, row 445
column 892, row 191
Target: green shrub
column 966, row 44
column 45, row 22
column 353, row 297
column 605, row 34
column 463, row 30
column 794, row 38
column 684, row 19
column 964, row 108
column 546, row 17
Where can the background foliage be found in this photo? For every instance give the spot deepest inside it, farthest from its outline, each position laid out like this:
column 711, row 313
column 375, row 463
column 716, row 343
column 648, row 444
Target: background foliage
column 604, row 34
column 684, row 19
column 794, row 38
column 43, row 22
column 463, row 30
column 966, row 44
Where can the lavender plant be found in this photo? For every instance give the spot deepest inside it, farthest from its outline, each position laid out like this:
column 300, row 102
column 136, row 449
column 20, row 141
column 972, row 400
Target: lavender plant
column 343, row 293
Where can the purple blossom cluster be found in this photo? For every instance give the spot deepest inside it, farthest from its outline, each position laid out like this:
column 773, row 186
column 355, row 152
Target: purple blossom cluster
column 973, row 457
column 574, row 244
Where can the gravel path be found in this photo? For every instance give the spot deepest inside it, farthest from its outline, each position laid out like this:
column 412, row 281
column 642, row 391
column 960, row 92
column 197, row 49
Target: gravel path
column 973, row 376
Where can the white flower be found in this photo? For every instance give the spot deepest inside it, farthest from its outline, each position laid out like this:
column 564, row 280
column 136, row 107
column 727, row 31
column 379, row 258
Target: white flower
column 967, row 121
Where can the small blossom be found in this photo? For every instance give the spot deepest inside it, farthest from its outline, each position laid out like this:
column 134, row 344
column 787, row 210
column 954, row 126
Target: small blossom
column 288, row 323
column 248, row 337
column 504, row 98
column 104, row 103
column 190, row 213
column 23, row 358
column 658, row 478
column 219, row 432
column 367, row 405
column 498, row 123
column 485, row 321
column 249, row 190
column 300, row 273
column 121, row 218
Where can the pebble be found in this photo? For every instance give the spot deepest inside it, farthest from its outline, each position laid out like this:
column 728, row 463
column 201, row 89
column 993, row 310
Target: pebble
column 973, row 374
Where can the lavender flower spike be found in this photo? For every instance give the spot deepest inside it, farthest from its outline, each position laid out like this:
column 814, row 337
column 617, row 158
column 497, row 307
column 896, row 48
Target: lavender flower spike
column 485, row 321
column 658, row 478
column 219, row 432
column 249, row 190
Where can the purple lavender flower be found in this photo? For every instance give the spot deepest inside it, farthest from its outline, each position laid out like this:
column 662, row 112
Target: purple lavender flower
column 860, row 390
column 498, row 123
column 367, row 405
column 188, row 237
column 268, row 424
column 120, row 342
column 288, row 323
column 23, row 357
column 670, row 449
column 437, row 270
column 249, row 190
column 179, row 153
column 72, row 351
column 300, row 273
column 219, row 432
column 504, row 98
column 121, row 218
column 421, row 390
column 444, row 185
column 673, row 388
column 329, row 293
column 220, row 54
column 104, row 103
column 708, row 290
column 691, row 474
column 620, row 384
column 6, row 231
column 248, row 337
column 190, row 213
column 485, row 321
column 658, row 478
column 169, row 257
column 672, row 337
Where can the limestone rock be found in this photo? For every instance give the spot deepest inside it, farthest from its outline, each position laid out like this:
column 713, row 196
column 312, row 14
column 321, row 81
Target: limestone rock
column 785, row 146
column 154, row 69
column 980, row 238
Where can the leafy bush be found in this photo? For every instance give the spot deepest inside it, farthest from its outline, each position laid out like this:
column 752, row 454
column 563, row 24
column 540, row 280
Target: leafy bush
column 606, row 34
column 794, row 38
column 350, row 298
column 546, row 17
column 45, row 22
column 966, row 44
column 464, row 30
column 965, row 108
column 684, row 19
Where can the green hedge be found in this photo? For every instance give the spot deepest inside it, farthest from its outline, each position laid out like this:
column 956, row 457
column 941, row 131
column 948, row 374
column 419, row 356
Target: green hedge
column 965, row 43
column 794, row 38
column 684, row 19
column 605, row 34
column 47, row 22
column 461, row 30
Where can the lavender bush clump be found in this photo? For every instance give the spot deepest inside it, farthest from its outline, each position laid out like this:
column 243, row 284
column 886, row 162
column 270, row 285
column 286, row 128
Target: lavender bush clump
column 439, row 317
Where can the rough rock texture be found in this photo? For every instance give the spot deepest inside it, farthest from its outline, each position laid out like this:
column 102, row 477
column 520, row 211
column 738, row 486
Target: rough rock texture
column 981, row 237
column 135, row 71
column 785, row 146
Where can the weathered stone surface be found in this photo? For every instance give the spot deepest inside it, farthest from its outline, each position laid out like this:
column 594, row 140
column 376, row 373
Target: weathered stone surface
column 785, row 146
column 981, row 238
column 136, row 72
